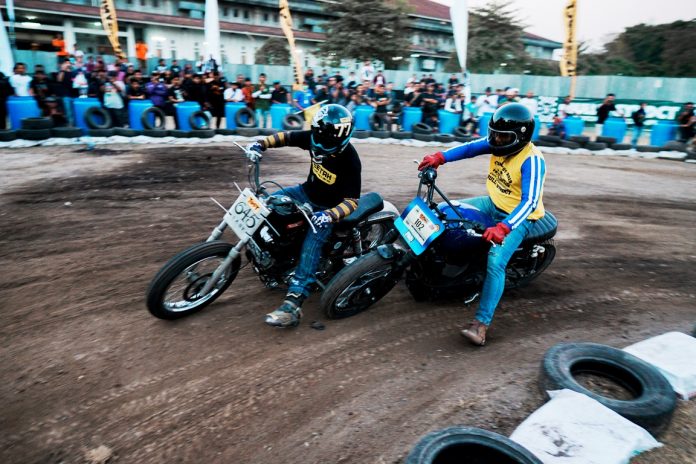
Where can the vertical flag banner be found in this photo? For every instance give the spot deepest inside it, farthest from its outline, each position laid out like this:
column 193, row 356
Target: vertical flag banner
column 286, row 25
column 570, row 45
column 459, row 14
column 212, row 31
column 6, row 58
column 107, row 12
column 9, row 5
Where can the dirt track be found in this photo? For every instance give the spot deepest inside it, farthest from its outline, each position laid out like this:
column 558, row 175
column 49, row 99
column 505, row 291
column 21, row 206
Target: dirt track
column 84, row 364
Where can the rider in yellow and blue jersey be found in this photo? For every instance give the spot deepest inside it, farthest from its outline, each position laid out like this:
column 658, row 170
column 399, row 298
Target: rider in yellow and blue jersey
column 515, row 185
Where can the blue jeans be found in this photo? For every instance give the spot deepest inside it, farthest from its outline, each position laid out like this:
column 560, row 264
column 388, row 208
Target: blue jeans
column 637, row 130
column 498, row 258
column 311, row 248
column 262, row 118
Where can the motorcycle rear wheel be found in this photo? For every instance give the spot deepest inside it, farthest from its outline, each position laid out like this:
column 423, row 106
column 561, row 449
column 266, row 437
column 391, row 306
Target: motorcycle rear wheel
column 358, row 286
column 173, row 292
column 522, row 271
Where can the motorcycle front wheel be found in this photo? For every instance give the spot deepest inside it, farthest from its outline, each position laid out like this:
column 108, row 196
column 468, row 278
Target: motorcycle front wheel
column 175, row 291
column 358, row 286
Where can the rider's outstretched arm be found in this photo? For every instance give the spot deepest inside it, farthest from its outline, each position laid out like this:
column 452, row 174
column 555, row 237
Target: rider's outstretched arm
column 533, row 171
column 468, row 150
column 283, row 139
column 342, row 209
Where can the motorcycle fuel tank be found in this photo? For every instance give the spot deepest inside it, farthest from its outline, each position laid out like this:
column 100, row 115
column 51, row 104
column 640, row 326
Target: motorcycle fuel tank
column 455, row 242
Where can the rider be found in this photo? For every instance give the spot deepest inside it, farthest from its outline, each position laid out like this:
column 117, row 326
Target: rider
column 332, row 189
column 515, row 186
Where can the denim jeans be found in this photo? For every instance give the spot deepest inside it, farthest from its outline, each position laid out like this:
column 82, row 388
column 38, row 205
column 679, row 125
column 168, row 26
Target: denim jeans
column 637, row 130
column 498, row 258
column 262, row 117
column 311, row 248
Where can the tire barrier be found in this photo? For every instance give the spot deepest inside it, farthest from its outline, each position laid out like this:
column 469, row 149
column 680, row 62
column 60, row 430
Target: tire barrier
column 653, row 399
column 293, row 122
column 422, row 128
column 380, row 134
column 268, row 131
column 468, row 444
column 379, row 122
column 569, row 144
column 224, row 131
column 461, row 132
column 8, row 135
column 550, row 138
column 362, row 134
column 100, row 132
column 245, row 118
column 464, row 139
column 544, row 143
column 37, row 123
column 402, row 135
column 155, row 132
column 581, row 139
column 159, row 121
column 673, row 145
column 594, row 146
column 423, row 137
column 608, row 140
column 183, row 113
column 34, row 134
column 97, row 117
column 125, row 132
column 278, row 113
column 647, row 148
column 135, row 110
column 444, row 138
column 179, row 134
column 199, row 120
column 66, row 132
column 248, row 131
column 19, row 108
column 202, row 133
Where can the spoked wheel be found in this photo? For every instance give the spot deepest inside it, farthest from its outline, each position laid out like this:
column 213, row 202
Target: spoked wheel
column 358, row 286
column 373, row 234
column 176, row 289
column 523, row 269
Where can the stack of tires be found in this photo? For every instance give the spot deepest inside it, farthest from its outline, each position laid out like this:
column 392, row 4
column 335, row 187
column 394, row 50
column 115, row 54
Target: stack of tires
column 39, row 128
column 247, row 123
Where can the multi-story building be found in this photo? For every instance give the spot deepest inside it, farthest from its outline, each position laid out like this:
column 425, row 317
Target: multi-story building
column 174, row 28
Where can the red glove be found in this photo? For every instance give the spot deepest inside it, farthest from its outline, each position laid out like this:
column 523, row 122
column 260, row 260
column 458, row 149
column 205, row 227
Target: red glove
column 432, row 161
column 497, row 233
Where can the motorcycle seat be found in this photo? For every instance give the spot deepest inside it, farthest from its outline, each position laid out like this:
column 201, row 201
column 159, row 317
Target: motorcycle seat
column 543, row 229
column 367, row 204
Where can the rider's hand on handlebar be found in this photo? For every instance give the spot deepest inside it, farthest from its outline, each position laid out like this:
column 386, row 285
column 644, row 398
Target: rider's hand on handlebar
column 432, row 161
column 497, row 233
column 257, row 147
column 321, row 219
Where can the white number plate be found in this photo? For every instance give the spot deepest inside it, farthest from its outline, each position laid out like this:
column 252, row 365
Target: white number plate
column 246, row 214
column 419, row 226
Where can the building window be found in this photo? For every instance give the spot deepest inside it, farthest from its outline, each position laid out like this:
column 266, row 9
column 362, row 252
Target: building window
column 246, row 14
column 155, row 3
column 243, row 60
column 225, row 12
column 142, row 2
column 235, row 13
column 265, row 17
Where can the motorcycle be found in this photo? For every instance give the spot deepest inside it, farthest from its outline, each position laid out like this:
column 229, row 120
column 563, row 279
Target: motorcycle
column 440, row 253
column 270, row 230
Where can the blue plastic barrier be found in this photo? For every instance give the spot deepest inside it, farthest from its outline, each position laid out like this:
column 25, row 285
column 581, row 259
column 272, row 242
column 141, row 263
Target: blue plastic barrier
column 537, row 126
column 663, row 132
column 448, row 121
column 19, row 108
column 362, row 117
column 573, row 126
column 135, row 111
column 231, row 109
column 184, row 110
column 483, row 124
column 614, row 127
column 80, row 105
column 411, row 115
column 278, row 113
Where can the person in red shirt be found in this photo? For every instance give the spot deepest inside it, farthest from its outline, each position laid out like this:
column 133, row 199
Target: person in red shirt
column 62, row 53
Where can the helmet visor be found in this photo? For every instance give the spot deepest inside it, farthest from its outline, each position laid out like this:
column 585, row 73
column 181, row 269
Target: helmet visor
column 325, row 145
column 501, row 139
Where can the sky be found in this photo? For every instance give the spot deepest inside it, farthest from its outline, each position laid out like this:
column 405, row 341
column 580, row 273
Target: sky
column 598, row 20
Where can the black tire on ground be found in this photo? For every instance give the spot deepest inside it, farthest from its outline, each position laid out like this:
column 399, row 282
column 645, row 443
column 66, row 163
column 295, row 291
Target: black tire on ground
column 125, row 132
column 401, row 135
column 461, row 132
column 226, row 131
column 421, row 128
column 100, row 132
column 468, row 445
column 373, row 275
column 608, row 140
column 595, row 146
column 462, row 139
column 293, row 122
column 66, row 132
column 621, row 146
column 160, row 119
column 156, row 292
column 581, row 139
column 202, row 133
column 199, row 120
column 381, row 134
column 34, row 134
column 179, row 134
column 673, row 145
column 379, row 122
column 444, row 138
column 423, row 137
column 95, row 113
column 362, row 134
column 37, row 123
column 550, row 138
column 155, row 132
column 654, row 400
column 8, row 135
column 250, row 118
column 648, row 148
column 268, row 131
column 568, row 144
column 544, row 143
column 247, row 131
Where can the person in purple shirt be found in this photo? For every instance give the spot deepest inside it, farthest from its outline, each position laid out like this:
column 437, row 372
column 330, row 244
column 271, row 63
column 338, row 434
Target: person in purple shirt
column 156, row 90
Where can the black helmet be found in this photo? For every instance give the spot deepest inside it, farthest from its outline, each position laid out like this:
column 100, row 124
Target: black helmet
column 332, row 127
column 510, row 129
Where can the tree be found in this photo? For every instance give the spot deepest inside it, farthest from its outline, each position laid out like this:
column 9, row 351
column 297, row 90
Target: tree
column 273, row 51
column 366, row 30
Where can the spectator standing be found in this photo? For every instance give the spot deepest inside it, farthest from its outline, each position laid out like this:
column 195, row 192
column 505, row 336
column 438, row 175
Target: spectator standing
column 603, row 111
column 262, row 96
column 309, row 79
column 248, row 91
column 175, row 68
column 176, row 96
column 279, row 95
column 557, row 128
column 233, row 93
column 530, row 102
column 470, row 119
column 135, row 91
column 61, row 52
column 367, row 72
column 429, row 103
column 216, row 99
column 453, row 80
column 687, row 122
column 196, row 91
column 161, row 66
column 638, row 117
column 380, row 99
column 5, row 92
column 80, row 84
column 455, row 104
column 157, row 91
column 379, row 78
column 141, row 54
column 90, row 66
column 113, row 102
column 20, row 82
column 487, row 103
column 78, row 54
column 564, row 109
column 302, row 99
column 352, row 80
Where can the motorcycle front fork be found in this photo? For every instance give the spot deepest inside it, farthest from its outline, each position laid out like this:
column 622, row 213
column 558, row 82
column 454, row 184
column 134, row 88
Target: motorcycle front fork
column 227, row 262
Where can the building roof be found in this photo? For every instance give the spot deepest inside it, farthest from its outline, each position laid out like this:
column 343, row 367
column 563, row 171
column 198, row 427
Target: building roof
column 430, row 9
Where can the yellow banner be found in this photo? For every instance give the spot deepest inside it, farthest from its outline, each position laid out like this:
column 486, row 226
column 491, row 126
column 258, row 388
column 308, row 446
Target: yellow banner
column 108, row 18
column 570, row 46
column 286, row 25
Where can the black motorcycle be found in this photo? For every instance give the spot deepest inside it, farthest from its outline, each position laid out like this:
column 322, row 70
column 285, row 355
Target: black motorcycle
column 271, row 230
column 440, row 253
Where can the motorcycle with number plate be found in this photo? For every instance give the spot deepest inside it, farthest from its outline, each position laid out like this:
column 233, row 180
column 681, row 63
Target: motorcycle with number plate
column 270, row 230
column 440, row 253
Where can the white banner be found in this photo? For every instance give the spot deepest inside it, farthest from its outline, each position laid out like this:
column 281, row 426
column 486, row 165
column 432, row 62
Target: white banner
column 459, row 13
column 6, row 58
column 212, row 32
